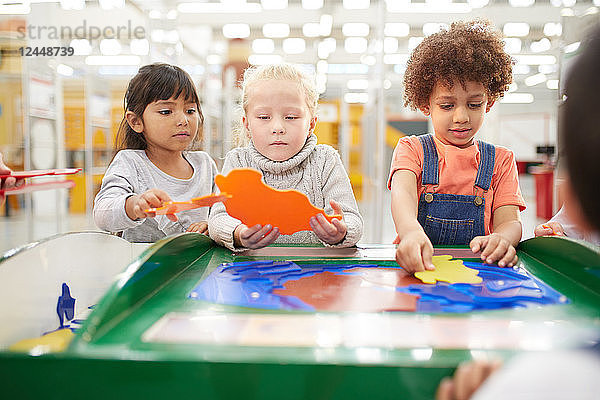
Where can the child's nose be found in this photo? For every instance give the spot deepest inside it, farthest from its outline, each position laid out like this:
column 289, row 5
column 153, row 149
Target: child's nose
column 277, row 126
column 460, row 115
column 182, row 118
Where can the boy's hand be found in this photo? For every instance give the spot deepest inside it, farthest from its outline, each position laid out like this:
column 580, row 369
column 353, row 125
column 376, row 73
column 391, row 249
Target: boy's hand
column 495, row 247
column 548, row 229
column 330, row 232
column 415, row 251
column 200, row 227
column 468, row 377
column 255, row 237
column 135, row 205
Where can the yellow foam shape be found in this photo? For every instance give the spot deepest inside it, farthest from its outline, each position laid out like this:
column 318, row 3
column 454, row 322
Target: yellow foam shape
column 448, row 270
column 52, row 342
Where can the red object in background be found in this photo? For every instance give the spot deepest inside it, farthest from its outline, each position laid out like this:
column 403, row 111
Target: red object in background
column 544, row 190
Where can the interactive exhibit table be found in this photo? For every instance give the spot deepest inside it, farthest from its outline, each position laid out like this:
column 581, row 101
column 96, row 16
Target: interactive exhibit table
column 189, row 318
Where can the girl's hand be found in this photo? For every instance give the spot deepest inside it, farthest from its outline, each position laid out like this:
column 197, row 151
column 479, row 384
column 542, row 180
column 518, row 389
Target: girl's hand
column 200, row 227
column 330, row 232
column 548, row 229
column 415, row 251
column 7, row 183
column 135, row 205
column 495, row 247
column 255, row 237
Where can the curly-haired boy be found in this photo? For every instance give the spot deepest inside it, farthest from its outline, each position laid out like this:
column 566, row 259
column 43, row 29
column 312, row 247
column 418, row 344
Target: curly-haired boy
column 447, row 188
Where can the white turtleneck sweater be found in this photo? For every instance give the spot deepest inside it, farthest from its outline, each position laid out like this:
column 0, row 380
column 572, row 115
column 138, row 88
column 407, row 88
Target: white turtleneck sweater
column 317, row 171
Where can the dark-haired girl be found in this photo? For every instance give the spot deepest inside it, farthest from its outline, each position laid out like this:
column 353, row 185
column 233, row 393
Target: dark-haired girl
column 153, row 165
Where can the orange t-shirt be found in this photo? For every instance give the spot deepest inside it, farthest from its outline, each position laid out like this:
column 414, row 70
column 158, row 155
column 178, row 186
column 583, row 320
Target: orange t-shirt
column 458, row 170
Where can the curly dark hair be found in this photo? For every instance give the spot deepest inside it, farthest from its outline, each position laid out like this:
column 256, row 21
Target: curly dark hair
column 468, row 51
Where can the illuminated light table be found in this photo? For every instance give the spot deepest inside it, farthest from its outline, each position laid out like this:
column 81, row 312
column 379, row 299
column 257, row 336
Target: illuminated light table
column 147, row 338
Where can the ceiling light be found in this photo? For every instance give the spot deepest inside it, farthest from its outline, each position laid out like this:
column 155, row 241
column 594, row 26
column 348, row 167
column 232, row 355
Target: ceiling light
column 321, row 67
column 139, row 47
column 312, row 4
column 355, row 29
column 110, row 4
column 294, row 45
column 236, row 31
column 542, row 45
column 521, row 3
column 521, row 69
column 569, row 3
column 570, row 48
column 276, row 30
column 553, row 29
column 414, row 42
column 406, row 7
column 552, row 84
column 81, row 47
column 395, row 59
column 263, row 46
column 399, row 29
column 226, row 7
column 64, row 70
column 516, row 29
column 534, row 59
column 311, row 29
column 512, row 45
column 263, row 59
column 517, row 98
column 326, row 47
column 478, row 3
column 430, row 28
column 535, row 79
column 355, row 45
column 356, row 98
column 390, row 45
column 326, row 23
column 274, row 4
column 356, row 4
column 113, row 60
column 72, row 4
column 110, row 47
column 357, row 84
column 512, row 87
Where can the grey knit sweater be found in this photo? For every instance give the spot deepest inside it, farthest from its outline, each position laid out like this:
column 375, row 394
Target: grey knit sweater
column 316, row 171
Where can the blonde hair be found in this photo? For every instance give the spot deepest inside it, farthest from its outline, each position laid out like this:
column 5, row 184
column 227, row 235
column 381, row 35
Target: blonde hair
column 283, row 72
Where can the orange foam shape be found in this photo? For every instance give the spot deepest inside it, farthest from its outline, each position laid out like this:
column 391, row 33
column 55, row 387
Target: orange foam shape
column 173, row 207
column 253, row 202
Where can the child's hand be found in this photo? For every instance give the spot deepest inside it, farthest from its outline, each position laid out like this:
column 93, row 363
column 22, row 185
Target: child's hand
column 549, row 228
column 414, row 252
column 200, row 227
column 255, row 237
column 135, row 205
column 7, row 183
column 468, row 377
column 330, row 232
column 495, row 247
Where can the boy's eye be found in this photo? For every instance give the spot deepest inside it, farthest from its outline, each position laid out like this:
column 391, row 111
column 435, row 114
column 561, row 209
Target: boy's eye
column 446, row 106
column 263, row 117
column 164, row 112
column 475, row 105
column 291, row 117
column 191, row 111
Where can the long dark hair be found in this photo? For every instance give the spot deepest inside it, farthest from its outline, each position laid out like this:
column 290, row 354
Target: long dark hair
column 153, row 82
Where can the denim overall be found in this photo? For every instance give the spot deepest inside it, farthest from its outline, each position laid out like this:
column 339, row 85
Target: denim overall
column 453, row 219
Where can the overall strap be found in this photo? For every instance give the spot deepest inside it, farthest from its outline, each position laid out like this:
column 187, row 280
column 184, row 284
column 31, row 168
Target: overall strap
column 487, row 159
column 430, row 174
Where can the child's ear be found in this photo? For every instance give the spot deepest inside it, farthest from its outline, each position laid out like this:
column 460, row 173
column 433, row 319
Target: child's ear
column 425, row 110
column 246, row 127
column 134, row 122
column 312, row 125
column 489, row 105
